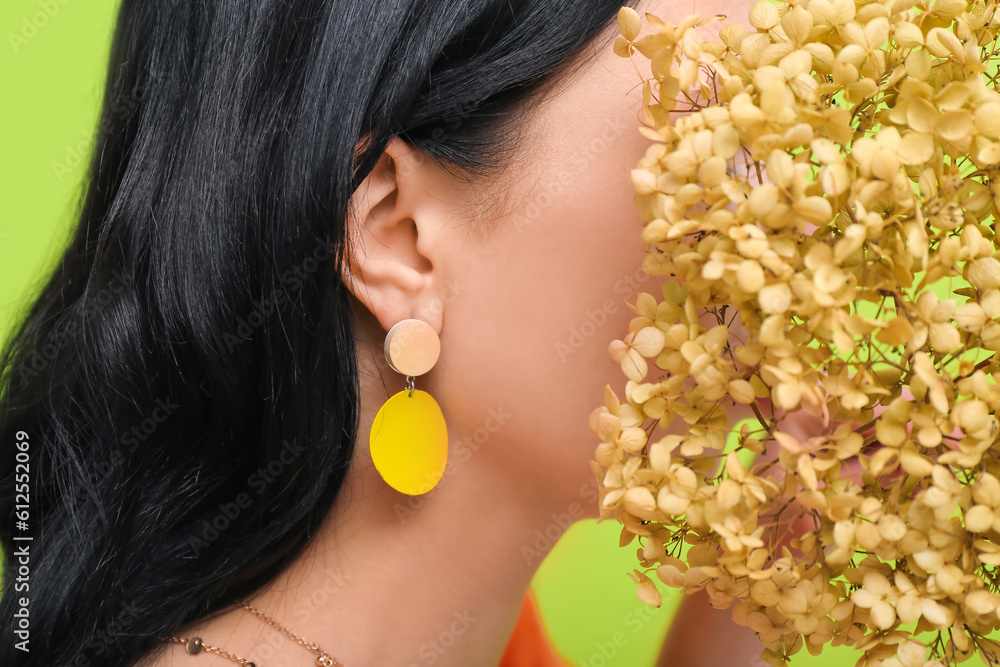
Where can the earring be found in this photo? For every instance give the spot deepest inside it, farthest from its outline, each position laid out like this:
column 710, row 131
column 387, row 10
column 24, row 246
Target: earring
column 409, row 437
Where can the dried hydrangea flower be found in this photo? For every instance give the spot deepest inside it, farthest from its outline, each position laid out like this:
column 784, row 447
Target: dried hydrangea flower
column 820, row 197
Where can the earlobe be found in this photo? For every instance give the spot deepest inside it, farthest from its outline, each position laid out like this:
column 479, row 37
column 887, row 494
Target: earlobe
column 390, row 268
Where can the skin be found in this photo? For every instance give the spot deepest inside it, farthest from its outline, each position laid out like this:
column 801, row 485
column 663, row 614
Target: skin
column 395, row 580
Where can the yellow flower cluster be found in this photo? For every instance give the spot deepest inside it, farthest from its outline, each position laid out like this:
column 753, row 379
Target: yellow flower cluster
column 811, row 184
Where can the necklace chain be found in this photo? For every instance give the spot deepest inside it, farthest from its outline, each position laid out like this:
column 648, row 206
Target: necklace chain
column 195, row 645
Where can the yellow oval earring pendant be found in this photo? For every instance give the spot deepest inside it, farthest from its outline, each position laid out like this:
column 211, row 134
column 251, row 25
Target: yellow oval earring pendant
column 409, row 442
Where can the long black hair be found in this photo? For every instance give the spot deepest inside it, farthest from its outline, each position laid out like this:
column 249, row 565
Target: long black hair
column 178, row 405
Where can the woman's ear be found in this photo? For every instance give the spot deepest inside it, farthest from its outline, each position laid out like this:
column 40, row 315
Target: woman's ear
column 395, row 217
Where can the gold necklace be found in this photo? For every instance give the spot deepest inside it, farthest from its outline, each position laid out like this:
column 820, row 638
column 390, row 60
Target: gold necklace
column 195, row 645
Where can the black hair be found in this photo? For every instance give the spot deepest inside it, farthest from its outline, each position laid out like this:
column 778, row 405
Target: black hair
column 178, row 403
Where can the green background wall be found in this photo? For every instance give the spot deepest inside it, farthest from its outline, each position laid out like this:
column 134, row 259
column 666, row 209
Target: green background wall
column 52, row 65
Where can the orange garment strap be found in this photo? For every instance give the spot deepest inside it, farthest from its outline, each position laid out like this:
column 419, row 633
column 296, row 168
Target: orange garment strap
column 529, row 645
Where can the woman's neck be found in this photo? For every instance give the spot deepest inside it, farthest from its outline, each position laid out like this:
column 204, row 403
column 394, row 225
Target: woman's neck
column 391, row 579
